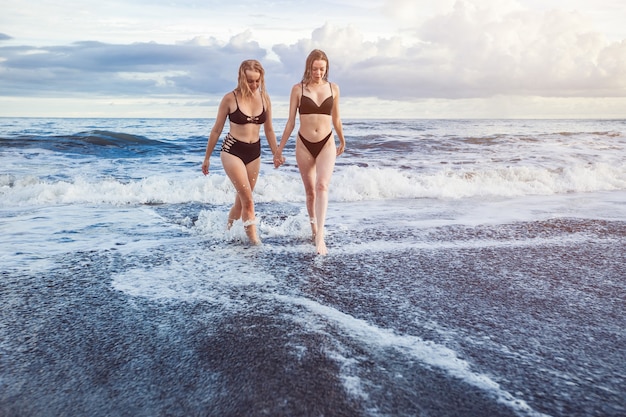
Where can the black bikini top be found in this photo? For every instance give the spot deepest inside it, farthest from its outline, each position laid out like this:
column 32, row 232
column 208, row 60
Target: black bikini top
column 239, row 118
column 308, row 106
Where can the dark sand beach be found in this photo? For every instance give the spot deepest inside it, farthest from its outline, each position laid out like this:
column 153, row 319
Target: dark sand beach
column 518, row 319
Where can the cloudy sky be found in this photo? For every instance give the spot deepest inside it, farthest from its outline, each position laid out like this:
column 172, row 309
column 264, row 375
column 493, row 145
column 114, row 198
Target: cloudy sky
column 391, row 58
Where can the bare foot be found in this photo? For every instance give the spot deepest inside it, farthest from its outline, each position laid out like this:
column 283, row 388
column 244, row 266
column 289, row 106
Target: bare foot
column 320, row 245
column 313, row 228
column 254, row 239
column 250, row 228
column 230, row 223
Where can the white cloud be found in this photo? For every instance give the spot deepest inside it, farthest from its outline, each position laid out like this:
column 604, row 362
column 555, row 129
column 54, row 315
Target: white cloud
column 408, row 52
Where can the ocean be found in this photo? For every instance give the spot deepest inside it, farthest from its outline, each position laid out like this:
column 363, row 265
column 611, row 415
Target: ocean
column 475, row 268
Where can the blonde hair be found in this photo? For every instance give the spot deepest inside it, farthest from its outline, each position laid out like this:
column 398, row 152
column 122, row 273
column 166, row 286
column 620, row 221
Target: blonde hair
column 315, row 55
column 242, row 82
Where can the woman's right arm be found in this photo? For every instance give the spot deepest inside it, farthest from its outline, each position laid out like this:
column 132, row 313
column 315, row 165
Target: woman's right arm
column 294, row 99
column 216, row 131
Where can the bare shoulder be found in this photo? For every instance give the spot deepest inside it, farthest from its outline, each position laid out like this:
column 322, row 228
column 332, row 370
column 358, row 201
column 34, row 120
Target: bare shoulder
column 228, row 97
column 228, row 101
column 335, row 88
column 296, row 91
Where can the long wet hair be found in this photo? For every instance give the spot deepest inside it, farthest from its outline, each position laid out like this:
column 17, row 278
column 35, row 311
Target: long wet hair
column 315, row 55
column 242, row 82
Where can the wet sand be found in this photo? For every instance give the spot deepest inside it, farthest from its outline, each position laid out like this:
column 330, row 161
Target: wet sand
column 525, row 318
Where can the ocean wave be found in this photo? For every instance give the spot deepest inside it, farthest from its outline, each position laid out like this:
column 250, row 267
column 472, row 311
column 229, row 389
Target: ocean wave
column 350, row 183
column 94, row 142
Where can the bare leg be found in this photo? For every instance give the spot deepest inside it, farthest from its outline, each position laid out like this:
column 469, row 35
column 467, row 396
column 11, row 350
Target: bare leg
column 234, row 213
column 244, row 179
column 324, row 165
column 316, row 174
column 306, row 166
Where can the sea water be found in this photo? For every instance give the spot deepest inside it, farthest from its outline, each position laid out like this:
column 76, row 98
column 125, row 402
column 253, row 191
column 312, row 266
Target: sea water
column 476, row 267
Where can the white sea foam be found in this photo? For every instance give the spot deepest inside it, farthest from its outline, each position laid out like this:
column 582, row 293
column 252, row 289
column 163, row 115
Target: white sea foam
column 33, row 237
column 182, row 281
column 425, row 351
column 192, row 280
column 349, row 184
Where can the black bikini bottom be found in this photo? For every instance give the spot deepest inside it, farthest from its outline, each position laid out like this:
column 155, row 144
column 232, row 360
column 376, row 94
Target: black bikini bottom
column 315, row 147
column 245, row 151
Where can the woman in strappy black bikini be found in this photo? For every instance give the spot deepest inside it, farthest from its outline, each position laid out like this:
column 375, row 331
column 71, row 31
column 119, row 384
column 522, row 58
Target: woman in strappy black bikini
column 315, row 146
column 247, row 108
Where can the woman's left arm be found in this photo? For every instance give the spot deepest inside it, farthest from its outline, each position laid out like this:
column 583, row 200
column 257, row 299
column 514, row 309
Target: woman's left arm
column 337, row 121
column 268, row 129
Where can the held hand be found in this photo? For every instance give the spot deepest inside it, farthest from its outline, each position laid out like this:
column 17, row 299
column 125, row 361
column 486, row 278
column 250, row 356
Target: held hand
column 278, row 160
column 205, row 167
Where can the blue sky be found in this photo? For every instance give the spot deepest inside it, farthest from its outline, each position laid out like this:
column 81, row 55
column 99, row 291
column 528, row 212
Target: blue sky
column 391, row 58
